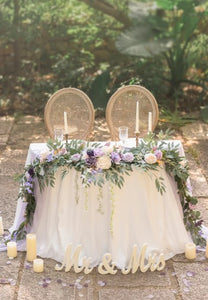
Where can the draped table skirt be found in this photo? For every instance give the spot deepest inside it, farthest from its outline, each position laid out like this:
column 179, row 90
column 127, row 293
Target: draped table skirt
column 108, row 219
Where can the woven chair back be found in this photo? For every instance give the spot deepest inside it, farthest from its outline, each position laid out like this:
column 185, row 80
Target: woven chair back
column 79, row 109
column 121, row 110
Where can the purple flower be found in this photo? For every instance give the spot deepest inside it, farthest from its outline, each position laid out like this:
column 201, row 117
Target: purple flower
column 29, row 190
column 90, row 152
column 115, row 157
column 199, row 223
column 31, row 172
column 128, row 157
column 76, row 157
column 94, row 172
column 28, row 184
column 49, row 157
column 158, row 154
column 91, row 161
column 98, row 152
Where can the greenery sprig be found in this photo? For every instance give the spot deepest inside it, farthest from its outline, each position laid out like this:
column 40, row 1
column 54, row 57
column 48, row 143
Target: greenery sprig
column 98, row 163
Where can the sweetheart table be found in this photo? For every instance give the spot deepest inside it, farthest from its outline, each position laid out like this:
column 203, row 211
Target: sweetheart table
column 107, row 220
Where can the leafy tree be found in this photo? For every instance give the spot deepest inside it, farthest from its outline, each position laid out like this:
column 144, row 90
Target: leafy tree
column 168, row 29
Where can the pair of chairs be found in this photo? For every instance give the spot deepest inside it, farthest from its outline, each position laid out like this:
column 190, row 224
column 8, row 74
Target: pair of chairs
column 120, row 111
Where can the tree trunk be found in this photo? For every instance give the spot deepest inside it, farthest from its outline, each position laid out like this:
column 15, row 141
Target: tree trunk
column 16, row 44
column 108, row 9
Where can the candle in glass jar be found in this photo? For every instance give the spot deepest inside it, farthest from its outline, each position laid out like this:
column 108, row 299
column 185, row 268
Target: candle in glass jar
column 11, row 249
column 190, row 251
column 137, row 117
column 150, row 122
column 38, row 265
column 65, row 123
column 1, row 227
column 31, row 246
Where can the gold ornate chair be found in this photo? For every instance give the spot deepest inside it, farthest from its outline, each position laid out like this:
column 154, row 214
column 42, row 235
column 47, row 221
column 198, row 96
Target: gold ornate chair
column 121, row 110
column 79, row 109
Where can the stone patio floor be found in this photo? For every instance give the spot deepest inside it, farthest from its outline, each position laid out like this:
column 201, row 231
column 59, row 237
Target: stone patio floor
column 181, row 279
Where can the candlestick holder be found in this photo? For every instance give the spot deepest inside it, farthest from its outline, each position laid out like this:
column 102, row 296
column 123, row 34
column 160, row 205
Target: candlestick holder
column 66, row 138
column 137, row 138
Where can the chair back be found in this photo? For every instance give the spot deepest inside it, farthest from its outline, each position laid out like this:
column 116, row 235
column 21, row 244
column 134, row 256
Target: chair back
column 121, row 110
column 79, row 110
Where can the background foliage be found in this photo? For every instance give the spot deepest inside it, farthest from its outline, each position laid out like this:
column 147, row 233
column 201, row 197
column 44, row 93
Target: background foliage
column 98, row 46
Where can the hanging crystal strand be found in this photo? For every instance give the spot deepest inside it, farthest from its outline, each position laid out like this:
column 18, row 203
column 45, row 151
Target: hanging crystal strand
column 99, row 199
column 76, row 183
column 112, row 199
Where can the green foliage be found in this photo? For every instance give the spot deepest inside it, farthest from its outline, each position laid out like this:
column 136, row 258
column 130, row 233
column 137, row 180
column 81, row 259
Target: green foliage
column 83, row 158
column 170, row 30
column 46, row 46
column 204, row 114
column 98, row 90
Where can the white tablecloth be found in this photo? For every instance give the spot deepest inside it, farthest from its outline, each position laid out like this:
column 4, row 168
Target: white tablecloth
column 141, row 215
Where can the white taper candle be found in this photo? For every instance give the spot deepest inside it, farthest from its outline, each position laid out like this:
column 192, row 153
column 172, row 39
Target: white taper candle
column 150, row 122
column 137, row 117
column 65, row 123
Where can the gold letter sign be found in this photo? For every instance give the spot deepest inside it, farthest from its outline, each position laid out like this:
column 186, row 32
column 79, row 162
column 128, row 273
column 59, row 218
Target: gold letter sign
column 107, row 266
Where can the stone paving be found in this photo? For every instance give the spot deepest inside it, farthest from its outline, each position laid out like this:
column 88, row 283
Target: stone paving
column 181, row 279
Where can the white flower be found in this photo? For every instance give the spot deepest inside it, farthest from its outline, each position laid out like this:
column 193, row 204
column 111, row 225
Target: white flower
column 104, row 162
column 84, row 155
column 150, row 158
column 44, row 154
column 107, row 149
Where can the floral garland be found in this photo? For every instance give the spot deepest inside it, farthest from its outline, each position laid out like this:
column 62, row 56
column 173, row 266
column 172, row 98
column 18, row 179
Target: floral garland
column 97, row 164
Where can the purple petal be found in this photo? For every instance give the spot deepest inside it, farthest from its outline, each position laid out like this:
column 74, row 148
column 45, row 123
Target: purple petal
column 28, row 266
column 190, row 274
column 8, row 262
column 44, row 285
column 3, row 280
column 85, row 285
column 48, row 280
column 41, row 282
column 202, row 258
column 186, row 282
column 59, row 281
column 206, row 269
column 162, row 273
column 79, row 286
column 64, row 284
column 13, row 282
column 186, row 290
column 173, row 274
column 87, row 281
column 101, row 283
column 150, row 296
column 71, row 284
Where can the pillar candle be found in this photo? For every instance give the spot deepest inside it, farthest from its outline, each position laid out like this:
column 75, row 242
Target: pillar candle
column 137, row 117
column 11, row 249
column 150, row 122
column 1, row 227
column 190, row 251
column 65, row 123
column 206, row 252
column 31, row 246
column 38, row 265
